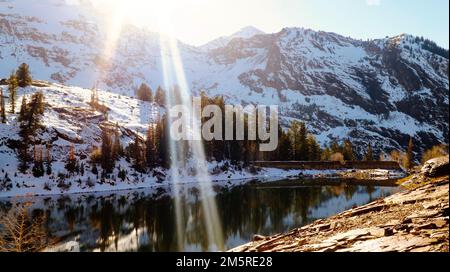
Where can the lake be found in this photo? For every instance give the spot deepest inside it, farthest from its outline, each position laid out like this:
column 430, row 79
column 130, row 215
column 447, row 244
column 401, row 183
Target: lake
column 145, row 220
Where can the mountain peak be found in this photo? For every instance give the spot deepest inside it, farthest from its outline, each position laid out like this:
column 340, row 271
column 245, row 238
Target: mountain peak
column 247, row 32
column 243, row 33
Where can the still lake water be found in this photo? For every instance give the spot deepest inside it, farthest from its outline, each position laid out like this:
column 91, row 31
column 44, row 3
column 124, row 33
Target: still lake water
column 145, row 220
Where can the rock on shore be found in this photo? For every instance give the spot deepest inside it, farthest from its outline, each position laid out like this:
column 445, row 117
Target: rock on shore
column 436, row 167
column 409, row 221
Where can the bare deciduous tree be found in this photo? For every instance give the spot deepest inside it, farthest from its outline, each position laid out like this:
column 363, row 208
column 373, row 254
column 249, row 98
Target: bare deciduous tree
column 21, row 233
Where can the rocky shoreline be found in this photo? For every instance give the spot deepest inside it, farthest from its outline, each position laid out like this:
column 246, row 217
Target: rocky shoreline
column 414, row 220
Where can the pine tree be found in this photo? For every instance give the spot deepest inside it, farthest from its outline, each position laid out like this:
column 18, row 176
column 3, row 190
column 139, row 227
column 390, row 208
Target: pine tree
column 24, row 157
column 410, row 155
column 2, row 107
column 38, row 168
column 34, row 112
column 151, row 147
column 71, row 164
column 336, row 148
column 122, row 175
column 29, row 121
column 107, row 161
column 314, row 150
column 144, row 93
column 48, row 169
column 23, row 109
column 94, row 169
column 13, row 84
column 23, row 75
column 303, row 132
column 295, row 139
column 348, row 152
column 136, row 153
column 81, row 169
column 326, row 154
column 117, row 149
column 369, row 154
column 284, row 148
column 160, row 97
column 163, row 136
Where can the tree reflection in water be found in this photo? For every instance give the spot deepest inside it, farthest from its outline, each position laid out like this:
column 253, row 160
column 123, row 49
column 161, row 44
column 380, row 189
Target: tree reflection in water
column 140, row 221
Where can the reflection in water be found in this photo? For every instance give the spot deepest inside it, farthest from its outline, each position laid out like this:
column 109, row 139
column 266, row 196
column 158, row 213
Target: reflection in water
column 146, row 221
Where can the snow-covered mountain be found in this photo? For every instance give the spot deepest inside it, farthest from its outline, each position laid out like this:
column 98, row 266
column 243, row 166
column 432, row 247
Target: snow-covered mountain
column 382, row 91
column 244, row 33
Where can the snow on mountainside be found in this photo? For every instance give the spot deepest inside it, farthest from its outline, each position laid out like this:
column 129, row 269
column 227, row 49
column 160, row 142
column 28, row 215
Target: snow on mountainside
column 382, row 91
column 244, row 33
column 70, row 120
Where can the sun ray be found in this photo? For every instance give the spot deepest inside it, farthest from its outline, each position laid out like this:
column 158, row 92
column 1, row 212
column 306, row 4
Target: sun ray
column 114, row 24
column 212, row 222
column 173, row 73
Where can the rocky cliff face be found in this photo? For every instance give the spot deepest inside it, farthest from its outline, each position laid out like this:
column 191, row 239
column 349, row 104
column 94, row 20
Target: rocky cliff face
column 379, row 91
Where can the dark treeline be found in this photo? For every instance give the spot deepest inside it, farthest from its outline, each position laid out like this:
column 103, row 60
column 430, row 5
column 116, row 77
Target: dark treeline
column 432, row 47
column 151, row 151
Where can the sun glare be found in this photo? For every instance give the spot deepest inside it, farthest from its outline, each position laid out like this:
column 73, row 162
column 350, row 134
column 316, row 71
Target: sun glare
column 157, row 15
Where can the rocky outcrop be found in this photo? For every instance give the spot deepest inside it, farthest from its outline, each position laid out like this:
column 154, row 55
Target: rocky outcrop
column 436, row 167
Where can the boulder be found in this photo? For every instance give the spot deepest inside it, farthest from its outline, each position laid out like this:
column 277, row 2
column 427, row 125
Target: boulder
column 436, row 167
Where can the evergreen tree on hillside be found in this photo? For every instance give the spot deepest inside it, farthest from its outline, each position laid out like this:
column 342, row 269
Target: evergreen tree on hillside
column 151, row 146
column 144, row 93
column 160, row 97
column 326, row 154
column 107, row 161
column 33, row 113
column 23, row 157
column 29, row 118
column 284, row 146
column 410, row 155
column 12, row 88
column 369, row 154
column 163, row 136
column 136, row 153
column 71, row 163
column 303, row 133
column 348, row 152
column 218, row 146
column 336, row 148
column 2, row 107
column 122, row 174
column 23, row 109
column 94, row 169
column 117, row 149
column 313, row 148
column 38, row 168
column 23, row 75
column 293, row 133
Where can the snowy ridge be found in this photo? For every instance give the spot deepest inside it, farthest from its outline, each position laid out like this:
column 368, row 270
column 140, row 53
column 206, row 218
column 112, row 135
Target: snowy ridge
column 244, row 33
